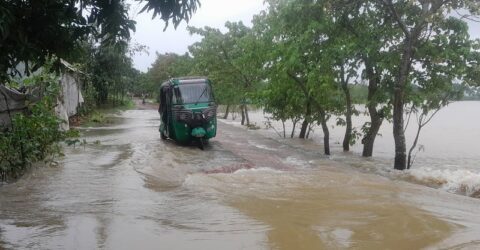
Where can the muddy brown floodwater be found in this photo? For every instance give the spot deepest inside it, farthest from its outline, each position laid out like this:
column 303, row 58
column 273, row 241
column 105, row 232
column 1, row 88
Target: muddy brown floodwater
column 245, row 191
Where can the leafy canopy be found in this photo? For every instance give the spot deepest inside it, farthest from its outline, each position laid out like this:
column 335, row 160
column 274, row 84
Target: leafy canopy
column 31, row 31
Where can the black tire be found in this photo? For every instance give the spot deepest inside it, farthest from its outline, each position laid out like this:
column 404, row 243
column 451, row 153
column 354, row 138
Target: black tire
column 201, row 143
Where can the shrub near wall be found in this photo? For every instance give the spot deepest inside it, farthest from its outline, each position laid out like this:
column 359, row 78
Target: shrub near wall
column 32, row 136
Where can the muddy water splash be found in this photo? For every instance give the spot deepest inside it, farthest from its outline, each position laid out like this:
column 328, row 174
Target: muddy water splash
column 245, row 191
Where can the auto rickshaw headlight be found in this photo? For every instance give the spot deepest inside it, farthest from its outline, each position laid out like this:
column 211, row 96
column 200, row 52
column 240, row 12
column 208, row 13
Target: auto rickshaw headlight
column 210, row 113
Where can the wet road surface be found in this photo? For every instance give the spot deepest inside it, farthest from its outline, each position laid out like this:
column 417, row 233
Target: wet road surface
column 127, row 189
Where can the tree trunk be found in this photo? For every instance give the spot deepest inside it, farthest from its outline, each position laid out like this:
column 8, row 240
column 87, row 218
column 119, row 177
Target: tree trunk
column 283, row 125
column 8, row 110
column 308, row 112
column 326, row 134
column 309, row 130
column 409, row 163
column 348, row 115
column 369, row 139
column 243, row 114
column 376, row 118
column 246, row 114
column 303, row 130
column 348, row 133
column 398, row 105
column 234, row 112
column 226, row 112
column 398, row 133
column 294, row 121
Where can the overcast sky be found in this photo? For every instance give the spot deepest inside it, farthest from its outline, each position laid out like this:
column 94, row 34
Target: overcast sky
column 213, row 13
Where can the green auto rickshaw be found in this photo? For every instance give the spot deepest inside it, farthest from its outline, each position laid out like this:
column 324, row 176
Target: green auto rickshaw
column 188, row 110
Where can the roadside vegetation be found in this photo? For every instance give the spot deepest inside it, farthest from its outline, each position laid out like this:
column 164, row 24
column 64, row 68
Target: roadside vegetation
column 94, row 36
column 33, row 135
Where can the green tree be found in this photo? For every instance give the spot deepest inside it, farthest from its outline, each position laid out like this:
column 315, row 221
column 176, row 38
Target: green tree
column 365, row 41
column 170, row 65
column 446, row 58
column 32, row 138
column 430, row 52
column 277, row 99
column 298, row 42
column 229, row 59
column 110, row 70
column 167, row 66
column 32, row 31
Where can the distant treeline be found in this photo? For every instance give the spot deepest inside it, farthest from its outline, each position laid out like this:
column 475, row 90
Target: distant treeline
column 360, row 93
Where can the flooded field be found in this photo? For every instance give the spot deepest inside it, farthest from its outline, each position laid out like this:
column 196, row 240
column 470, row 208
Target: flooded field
column 127, row 189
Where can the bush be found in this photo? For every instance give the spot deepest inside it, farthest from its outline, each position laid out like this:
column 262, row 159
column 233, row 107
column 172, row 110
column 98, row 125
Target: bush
column 32, row 136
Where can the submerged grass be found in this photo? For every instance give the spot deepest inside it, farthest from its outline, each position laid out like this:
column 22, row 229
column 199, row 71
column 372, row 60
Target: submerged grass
column 97, row 115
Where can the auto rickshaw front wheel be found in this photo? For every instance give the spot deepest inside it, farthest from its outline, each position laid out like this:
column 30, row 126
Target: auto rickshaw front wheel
column 202, row 142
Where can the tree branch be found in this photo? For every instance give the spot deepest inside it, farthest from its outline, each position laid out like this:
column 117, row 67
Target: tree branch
column 468, row 17
column 307, row 95
column 228, row 60
column 393, row 11
column 408, row 118
column 430, row 118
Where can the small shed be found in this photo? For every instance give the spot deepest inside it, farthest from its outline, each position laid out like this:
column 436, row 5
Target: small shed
column 70, row 98
column 13, row 101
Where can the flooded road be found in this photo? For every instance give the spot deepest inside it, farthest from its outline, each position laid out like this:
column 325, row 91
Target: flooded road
column 127, row 189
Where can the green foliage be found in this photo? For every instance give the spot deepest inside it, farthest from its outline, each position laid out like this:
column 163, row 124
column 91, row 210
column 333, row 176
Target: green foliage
column 359, row 93
column 108, row 74
column 32, row 136
column 33, row 31
column 97, row 117
column 111, row 71
column 301, row 81
column 230, row 60
column 165, row 67
column 172, row 10
column 72, row 137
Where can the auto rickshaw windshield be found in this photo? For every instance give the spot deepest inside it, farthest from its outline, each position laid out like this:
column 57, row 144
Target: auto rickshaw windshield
column 194, row 93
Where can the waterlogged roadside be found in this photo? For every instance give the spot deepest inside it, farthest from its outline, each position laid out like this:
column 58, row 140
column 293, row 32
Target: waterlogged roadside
column 245, row 191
